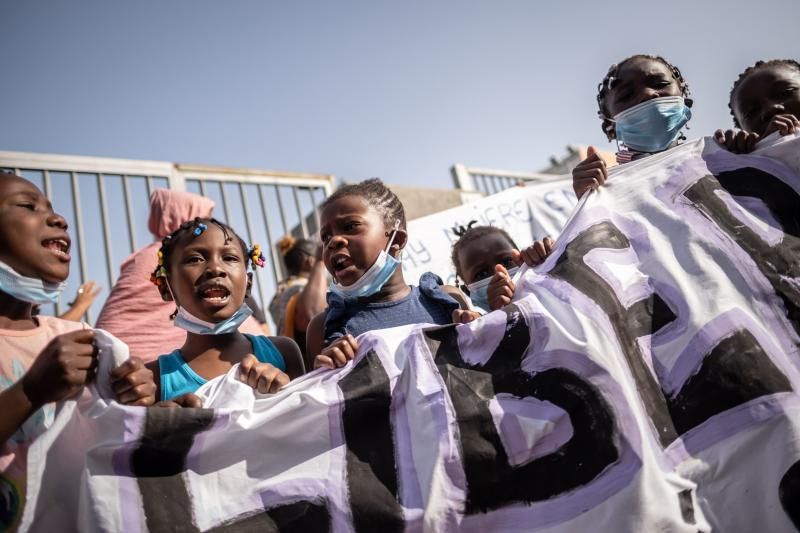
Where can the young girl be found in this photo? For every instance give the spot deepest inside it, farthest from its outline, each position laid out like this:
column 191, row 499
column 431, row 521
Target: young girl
column 363, row 230
column 203, row 269
column 43, row 359
column 643, row 103
column 764, row 99
column 486, row 258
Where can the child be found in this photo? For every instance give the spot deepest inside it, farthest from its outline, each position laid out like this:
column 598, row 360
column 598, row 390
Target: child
column 486, row 258
column 42, row 359
column 202, row 267
column 764, row 99
column 644, row 103
column 363, row 230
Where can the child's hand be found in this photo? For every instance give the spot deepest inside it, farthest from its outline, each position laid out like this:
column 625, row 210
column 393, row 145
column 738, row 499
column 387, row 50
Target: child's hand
column 338, row 353
column 464, row 316
column 62, row 368
column 501, row 288
column 737, row 142
column 263, row 377
column 534, row 254
column 589, row 174
column 785, row 124
column 185, row 400
column 133, row 383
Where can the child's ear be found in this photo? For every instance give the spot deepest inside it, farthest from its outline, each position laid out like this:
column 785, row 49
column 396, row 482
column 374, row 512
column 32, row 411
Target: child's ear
column 164, row 291
column 249, row 283
column 400, row 240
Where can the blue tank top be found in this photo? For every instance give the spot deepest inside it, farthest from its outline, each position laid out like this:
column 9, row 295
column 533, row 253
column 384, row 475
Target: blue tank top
column 178, row 378
column 426, row 303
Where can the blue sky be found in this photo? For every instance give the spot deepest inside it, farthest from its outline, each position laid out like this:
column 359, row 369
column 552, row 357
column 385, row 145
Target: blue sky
column 400, row 90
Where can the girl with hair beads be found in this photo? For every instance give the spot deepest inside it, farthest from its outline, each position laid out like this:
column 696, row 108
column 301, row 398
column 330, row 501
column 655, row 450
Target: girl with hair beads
column 764, row 99
column 43, row 359
column 643, row 104
column 486, row 258
column 202, row 267
column 363, row 231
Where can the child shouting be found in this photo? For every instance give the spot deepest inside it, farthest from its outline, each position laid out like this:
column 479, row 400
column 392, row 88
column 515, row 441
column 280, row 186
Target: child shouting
column 363, row 231
column 42, row 359
column 202, row 267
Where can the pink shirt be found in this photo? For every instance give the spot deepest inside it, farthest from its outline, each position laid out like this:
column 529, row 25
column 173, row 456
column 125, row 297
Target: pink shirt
column 18, row 350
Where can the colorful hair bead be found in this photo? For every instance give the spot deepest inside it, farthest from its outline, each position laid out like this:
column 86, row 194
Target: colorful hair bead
column 199, row 229
column 160, row 272
column 256, row 257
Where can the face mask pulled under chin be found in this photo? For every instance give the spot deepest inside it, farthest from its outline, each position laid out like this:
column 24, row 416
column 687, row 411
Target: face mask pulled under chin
column 187, row 321
column 374, row 278
column 31, row 290
column 479, row 291
column 652, row 126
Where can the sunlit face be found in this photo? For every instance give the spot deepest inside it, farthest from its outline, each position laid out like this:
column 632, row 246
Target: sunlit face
column 639, row 80
column 769, row 91
column 207, row 275
column 477, row 258
column 353, row 235
column 33, row 239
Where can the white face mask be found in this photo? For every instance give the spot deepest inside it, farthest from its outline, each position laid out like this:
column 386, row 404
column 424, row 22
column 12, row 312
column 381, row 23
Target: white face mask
column 374, row 278
column 31, row 290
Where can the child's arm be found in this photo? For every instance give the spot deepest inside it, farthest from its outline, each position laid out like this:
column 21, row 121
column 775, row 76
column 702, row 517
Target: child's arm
column 534, row 254
column 133, row 383
column 58, row 372
column 262, row 377
column 339, row 352
column 465, row 313
column 744, row 142
column 590, row 173
column 291, row 356
column 315, row 335
column 501, row 287
column 185, row 400
column 737, row 142
column 785, row 124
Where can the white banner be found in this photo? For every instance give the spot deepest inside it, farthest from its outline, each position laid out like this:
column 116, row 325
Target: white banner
column 645, row 378
column 527, row 213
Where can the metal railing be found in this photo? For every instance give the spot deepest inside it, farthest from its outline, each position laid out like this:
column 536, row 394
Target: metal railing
column 491, row 180
column 106, row 203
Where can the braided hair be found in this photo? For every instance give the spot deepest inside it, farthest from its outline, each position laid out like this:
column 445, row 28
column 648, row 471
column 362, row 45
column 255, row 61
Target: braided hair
column 758, row 65
column 378, row 196
column 611, row 77
column 193, row 229
column 471, row 232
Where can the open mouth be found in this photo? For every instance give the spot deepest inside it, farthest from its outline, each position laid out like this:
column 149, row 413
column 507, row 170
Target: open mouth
column 341, row 262
column 59, row 246
column 215, row 294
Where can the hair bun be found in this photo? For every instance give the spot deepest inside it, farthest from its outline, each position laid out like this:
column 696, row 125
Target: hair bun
column 286, row 244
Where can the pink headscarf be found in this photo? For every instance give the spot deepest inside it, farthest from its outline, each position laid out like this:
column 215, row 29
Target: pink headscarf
column 134, row 311
column 169, row 209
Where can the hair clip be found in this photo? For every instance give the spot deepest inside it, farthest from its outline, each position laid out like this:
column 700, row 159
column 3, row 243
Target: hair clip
column 199, row 229
column 256, row 257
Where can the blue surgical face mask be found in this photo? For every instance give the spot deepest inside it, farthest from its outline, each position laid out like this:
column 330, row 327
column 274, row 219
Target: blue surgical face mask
column 31, row 290
column 652, row 126
column 187, row 321
column 374, row 278
column 478, row 291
